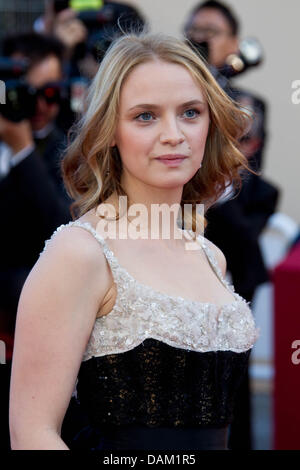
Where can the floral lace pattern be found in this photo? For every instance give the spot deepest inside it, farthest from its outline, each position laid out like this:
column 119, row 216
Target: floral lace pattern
column 140, row 312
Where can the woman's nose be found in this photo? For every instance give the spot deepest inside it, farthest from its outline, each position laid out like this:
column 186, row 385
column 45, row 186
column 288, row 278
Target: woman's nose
column 171, row 132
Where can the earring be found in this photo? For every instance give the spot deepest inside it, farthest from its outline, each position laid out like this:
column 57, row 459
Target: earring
column 113, row 150
column 108, row 169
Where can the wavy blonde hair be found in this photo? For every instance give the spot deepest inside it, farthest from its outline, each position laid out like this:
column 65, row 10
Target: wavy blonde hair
column 92, row 169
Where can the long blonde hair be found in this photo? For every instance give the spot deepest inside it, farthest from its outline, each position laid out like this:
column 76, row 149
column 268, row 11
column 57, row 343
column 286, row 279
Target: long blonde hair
column 92, row 169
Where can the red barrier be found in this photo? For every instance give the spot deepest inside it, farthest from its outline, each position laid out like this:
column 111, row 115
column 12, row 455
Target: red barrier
column 286, row 278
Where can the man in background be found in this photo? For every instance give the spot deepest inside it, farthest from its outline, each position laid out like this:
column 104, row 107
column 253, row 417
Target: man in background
column 33, row 201
column 236, row 220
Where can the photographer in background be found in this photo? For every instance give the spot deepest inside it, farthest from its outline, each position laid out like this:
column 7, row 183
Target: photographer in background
column 86, row 28
column 33, row 201
column 34, row 129
column 237, row 219
column 69, row 45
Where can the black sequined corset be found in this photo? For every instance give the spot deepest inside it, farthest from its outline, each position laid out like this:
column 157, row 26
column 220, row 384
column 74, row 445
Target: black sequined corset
column 164, row 361
column 158, row 385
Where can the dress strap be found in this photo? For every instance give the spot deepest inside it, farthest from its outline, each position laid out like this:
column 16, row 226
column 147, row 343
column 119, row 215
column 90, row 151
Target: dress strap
column 119, row 273
column 210, row 255
column 112, row 260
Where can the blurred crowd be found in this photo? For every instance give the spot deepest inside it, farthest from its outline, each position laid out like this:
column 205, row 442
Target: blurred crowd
column 46, row 72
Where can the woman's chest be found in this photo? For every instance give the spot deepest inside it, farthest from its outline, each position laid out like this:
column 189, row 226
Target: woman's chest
column 187, row 275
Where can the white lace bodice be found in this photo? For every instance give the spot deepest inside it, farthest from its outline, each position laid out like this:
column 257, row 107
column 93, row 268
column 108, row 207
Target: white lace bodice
column 141, row 312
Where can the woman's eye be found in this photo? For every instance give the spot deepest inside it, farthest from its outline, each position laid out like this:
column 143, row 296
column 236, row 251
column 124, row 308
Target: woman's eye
column 143, row 114
column 146, row 116
column 194, row 112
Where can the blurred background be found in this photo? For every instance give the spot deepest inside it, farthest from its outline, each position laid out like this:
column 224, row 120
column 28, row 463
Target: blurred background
column 275, row 25
column 260, row 69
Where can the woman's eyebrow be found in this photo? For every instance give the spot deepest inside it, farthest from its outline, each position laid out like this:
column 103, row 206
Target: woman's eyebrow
column 155, row 106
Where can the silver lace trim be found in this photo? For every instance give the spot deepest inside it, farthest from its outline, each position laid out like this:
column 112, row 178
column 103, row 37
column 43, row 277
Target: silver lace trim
column 141, row 312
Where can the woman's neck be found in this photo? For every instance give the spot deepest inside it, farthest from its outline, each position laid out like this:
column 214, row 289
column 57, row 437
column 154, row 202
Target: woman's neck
column 144, row 219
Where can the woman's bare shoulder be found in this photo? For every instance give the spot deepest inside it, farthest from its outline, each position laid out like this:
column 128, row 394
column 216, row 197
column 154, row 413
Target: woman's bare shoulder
column 77, row 250
column 74, row 241
column 57, row 311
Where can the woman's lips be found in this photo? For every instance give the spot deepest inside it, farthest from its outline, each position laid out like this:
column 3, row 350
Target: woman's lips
column 171, row 161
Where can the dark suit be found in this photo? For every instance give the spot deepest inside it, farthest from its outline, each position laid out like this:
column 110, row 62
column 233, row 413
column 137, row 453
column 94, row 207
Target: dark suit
column 33, row 203
column 234, row 226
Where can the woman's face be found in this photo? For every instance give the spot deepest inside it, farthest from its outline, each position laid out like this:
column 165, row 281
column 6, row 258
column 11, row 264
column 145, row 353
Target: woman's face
column 162, row 112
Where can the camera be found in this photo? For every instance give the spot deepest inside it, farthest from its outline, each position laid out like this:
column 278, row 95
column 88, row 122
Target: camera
column 98, row 13
column 18, row 102
column 59, row 5
column 21, row 97
column 250, row 54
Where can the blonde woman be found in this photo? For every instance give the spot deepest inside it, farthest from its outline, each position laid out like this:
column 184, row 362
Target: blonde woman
column 151, row 334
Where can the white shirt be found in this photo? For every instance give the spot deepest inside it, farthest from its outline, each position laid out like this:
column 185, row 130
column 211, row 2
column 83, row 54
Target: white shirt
column 9, row 160
column 229, row 191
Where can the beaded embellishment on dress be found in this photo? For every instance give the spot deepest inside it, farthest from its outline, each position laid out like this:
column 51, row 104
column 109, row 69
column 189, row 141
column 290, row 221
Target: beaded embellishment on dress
column 141, row 312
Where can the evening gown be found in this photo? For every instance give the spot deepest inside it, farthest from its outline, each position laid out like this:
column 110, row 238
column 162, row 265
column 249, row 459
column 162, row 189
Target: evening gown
column 162, row 372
